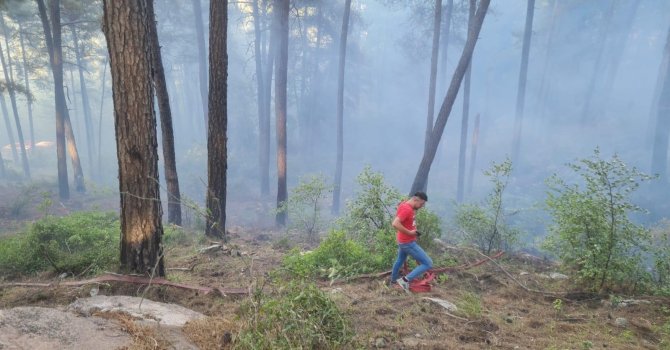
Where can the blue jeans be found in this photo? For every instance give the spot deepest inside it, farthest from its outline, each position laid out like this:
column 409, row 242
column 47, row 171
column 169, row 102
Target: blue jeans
column 415, row 251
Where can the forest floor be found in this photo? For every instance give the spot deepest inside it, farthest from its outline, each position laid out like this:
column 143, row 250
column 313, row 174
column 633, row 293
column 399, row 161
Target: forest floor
column 510, row 303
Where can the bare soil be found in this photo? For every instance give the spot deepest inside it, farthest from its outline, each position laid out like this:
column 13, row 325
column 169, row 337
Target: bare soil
column 509, row 316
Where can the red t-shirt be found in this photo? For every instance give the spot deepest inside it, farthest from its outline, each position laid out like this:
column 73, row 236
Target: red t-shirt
column 406, row 215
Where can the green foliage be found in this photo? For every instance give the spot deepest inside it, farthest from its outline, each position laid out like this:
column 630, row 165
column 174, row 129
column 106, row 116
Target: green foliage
column 660, row 250
column 304, row 205
column 373, row 208
column 592, row 233
column 337, row 256
column 79, row 243
column 300, row 316
column 470, row 305
column 176, row 236
column 484, row 225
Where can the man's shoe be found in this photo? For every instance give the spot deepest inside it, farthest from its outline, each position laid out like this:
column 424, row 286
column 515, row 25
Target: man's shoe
column 404, row 284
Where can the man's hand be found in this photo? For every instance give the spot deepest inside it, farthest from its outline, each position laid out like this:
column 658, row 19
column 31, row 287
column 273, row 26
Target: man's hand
column 418, row 234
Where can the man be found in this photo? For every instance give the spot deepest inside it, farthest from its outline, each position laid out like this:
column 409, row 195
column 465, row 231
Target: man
column 406, row 236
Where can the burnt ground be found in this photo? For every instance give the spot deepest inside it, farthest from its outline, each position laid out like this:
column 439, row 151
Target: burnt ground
column 495, row 311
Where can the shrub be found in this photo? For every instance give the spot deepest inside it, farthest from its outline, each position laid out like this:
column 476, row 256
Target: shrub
column 484, row 225
column 81, row 242
column 337, row 256
column 592, row 233
column 304, row 205
column 301, row 316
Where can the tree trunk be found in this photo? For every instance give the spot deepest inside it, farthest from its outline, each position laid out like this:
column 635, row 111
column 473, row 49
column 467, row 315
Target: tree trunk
column 473, row 154
column 659, row 160
column 27, row 83
column 446, row 28
column 264, row 129
column 102, row 101
column 260, row 90
column 433, row 70
column 597, row 66
column 340, row 108
column 9, row 80
column 282, row 10
column 421, row 178
column 88, row 119
column 202, row 56
column 128, row 42
column 465, row 120
column 619, row 47
column 218, row 120
column 71, row 89
column 54, row 7
column 548, row 53
column 160, row 86
column 8, row 126
column 523, row 72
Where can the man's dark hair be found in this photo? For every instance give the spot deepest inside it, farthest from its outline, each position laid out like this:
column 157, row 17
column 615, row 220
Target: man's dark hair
column 421, row 195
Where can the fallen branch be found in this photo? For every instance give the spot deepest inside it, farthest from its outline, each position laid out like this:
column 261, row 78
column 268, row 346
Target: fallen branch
column 130, row 279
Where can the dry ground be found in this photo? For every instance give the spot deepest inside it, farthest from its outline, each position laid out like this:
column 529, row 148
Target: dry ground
column 495, row 312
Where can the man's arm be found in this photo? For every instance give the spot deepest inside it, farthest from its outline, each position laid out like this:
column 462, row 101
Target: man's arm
column 398, row 226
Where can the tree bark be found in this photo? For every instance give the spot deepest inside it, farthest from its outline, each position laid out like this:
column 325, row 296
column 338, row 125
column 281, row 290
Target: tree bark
column 473, row 153
column 433, row 70
column 260, row 91
column 202, row 56
column 86, row 105
column 160, row 86
column 446, row 28
column 523, row 73
column 217, row 160
column 340, row 108
column 421, row 178
column 102, row 101
column 465, row 120
column 27, row 83
column 7, row 69
column 659, row 160
column 282, row 10
column 128, row 42
column 8, row 126
column 264, row 129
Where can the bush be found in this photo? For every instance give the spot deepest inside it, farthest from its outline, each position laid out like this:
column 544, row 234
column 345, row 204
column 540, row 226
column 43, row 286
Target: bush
column 337, row 256
column 301, row 316
column 592, row 233
column 660, row 250
column 304, row 205
column 485, row 225
column 79, row 243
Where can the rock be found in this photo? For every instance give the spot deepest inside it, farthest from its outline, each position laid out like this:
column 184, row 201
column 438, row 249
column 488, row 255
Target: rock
column 509, row 319
column 44, row 328
column 411, row 342
column 444, row 303
column 380, row 343
column 523, row 273
column 557, row 276
column 621, row 322
column 164, row 314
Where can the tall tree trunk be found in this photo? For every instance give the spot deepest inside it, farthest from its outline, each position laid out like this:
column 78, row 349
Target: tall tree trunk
column 202, row 56
column 659, row 160
column 128, row 42
column 281, row 9
column 421, row 178
column 3, row 174
column 523, row 73
column 433, row 71
column 465, row 120
column 264, row 128
column 260, row 90
column 337, row 190
column 86, row 105
column 102, row 101
column 27, row 84
column 59, row 97
column 619, row 44
column 160, row 86
column 548, row 54
column 75, row 116
column 473, row 154
column 8, row 126
column 6, row 67
column 446, row 29
column 54, row 7
column 660, row 81
column 597, row 66
column 217, row 159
